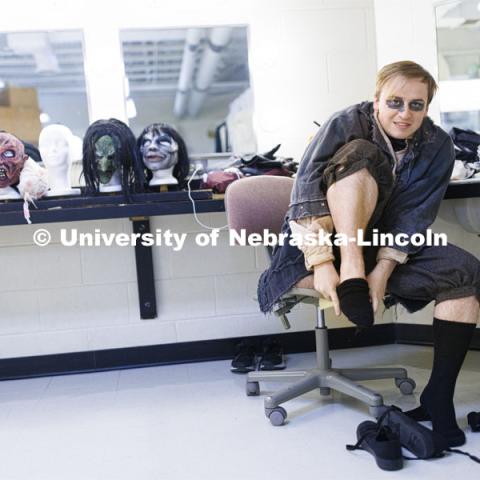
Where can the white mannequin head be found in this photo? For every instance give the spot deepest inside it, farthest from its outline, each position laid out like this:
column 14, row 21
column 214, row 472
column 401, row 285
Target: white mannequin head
column 54, row 144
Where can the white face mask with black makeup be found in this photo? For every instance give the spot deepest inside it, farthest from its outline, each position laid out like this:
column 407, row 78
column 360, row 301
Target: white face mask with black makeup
column 160, row 155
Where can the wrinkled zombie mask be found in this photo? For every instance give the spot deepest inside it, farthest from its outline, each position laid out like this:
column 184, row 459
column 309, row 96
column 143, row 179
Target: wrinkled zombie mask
column 12, row 159
column 105, row 158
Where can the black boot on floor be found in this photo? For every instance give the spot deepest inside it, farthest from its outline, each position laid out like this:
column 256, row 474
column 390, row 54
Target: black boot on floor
column 450, row 341
column 272, row 357
column 473, row 419
column 382, row 443
column 416, row 438
column 245, row 359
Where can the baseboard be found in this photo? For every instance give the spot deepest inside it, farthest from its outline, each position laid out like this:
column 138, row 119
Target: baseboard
column 208, row 350
column 414, row 334
column 134, row 357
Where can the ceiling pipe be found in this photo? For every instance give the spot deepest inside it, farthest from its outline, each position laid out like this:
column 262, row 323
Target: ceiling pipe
column 192, row 42
column 218, row 40
column 38, row 45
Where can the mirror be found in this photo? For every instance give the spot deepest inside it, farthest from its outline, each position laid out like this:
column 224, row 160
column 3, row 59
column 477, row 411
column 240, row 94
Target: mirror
column 458, row 47
column 42, row 81
column 195, row 79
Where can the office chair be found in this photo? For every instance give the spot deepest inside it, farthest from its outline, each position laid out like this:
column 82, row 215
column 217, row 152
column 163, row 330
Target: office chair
column 258, row 203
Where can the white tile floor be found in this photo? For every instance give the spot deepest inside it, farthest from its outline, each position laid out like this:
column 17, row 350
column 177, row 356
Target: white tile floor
column 194, row 421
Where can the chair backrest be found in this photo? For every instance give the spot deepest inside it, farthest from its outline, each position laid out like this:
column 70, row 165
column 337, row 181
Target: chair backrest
column 258, row 203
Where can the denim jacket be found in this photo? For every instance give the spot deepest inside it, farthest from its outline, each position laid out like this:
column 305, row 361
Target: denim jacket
column 421, row 180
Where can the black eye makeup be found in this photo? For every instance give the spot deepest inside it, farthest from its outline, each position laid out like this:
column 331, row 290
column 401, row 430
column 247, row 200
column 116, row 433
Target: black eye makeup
column 397, row 103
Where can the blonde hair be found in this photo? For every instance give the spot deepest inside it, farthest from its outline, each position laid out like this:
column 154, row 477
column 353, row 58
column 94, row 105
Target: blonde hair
column 406, row 69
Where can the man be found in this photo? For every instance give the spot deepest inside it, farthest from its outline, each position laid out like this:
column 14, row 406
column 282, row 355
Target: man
column 384, row 165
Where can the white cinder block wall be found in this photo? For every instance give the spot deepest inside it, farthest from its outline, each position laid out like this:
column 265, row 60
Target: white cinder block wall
column 308, row 58
column 58, row 299
column 406, row 30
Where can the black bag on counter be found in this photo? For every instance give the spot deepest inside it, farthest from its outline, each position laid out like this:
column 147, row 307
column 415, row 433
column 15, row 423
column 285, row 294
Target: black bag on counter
column 266, row 164
column 466, row 144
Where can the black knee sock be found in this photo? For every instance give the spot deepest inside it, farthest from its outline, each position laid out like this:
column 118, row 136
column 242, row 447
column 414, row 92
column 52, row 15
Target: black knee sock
column 354, row 298
column 451, row 341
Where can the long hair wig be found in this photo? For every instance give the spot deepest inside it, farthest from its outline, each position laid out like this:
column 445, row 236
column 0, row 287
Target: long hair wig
column 32, row 151
column 181, row 169
column 127, row 157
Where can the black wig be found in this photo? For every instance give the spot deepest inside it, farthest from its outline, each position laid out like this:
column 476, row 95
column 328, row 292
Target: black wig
column 127, row 159
column 32, row 151
column 181, row 169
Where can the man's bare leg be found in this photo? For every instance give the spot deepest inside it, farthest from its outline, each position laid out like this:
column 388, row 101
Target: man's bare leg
column 465, row 310
column 352, row 201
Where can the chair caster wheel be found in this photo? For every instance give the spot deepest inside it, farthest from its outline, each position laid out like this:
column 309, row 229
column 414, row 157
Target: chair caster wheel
column 405, row 385
column 276, row 416
column 252, row 389
column 376, row 411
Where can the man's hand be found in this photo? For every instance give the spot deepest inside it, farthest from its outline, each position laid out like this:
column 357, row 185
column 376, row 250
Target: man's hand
column 377, row 281
column 325, row 281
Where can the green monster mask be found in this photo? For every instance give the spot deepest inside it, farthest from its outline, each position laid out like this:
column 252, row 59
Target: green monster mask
column 104, row 156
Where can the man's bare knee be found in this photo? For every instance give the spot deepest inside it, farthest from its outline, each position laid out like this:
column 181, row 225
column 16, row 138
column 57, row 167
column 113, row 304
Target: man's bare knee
column 358, row 187
column 465, row 310
column 359, row 179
